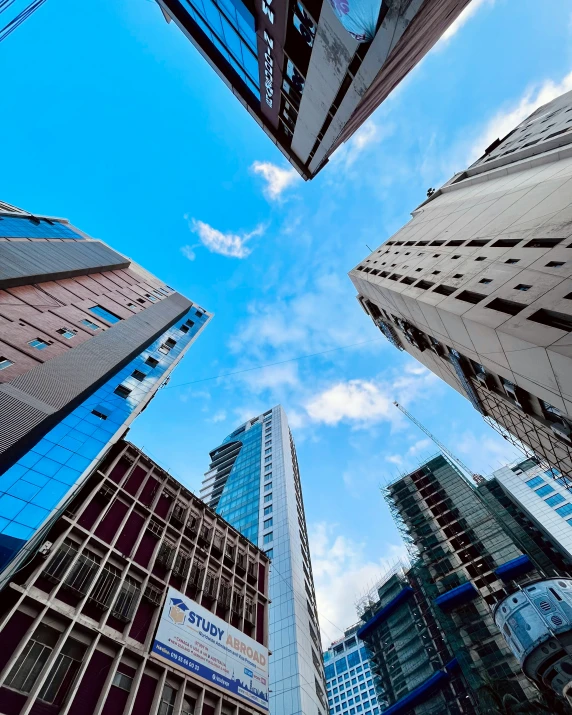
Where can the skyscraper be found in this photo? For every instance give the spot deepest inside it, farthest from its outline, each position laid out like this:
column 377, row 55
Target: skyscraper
column 478, row 285
column 87, row 337
column 254, row 483
column 311, row 73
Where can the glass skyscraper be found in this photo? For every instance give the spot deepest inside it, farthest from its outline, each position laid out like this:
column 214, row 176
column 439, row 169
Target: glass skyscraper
column 87, row 337
column 254, row 483
column 349, row 679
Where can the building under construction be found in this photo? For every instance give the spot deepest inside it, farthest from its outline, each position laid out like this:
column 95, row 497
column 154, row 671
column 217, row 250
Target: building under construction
column 430, row 628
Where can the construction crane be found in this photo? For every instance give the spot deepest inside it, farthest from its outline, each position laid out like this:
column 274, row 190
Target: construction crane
column 477, row 478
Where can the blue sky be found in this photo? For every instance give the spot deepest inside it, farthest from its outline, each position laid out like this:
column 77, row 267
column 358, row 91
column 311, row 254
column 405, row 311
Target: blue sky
column 113, row 120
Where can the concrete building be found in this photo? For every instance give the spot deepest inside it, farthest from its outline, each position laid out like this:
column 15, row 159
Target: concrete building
column 472, row 551
column 351, row 683
column 413, row 653
column 81, row 619
column 311, row 73
column 254, row 483
column 478, row 285
column 87, row 337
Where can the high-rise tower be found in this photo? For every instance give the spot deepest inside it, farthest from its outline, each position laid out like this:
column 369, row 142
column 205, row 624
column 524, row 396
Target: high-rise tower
column 87, row 337
column 478, row 285
column 254, row 483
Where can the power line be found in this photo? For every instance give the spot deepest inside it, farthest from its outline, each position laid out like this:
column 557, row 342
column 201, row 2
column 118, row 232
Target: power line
column 22, row 16
column 272, row 364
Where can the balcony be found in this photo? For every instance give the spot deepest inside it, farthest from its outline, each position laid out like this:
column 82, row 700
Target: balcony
column 241, row 562
column 251, row 574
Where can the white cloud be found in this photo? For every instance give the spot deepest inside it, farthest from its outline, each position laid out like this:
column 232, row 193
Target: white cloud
column 359, row 401
column 506, row 119
column 485, row 452
column 277, row 178
column 342, row 573
column 219, row 416
column 366, row 136
column 232, row 245
column 471, row 9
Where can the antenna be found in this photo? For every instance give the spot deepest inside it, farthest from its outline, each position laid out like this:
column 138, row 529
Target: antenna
column 477, row 478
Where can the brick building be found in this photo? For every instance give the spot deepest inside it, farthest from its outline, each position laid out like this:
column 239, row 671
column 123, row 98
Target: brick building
column 78, row 619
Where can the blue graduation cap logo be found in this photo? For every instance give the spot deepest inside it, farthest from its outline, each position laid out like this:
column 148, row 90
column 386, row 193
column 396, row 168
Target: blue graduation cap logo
column 177, row 610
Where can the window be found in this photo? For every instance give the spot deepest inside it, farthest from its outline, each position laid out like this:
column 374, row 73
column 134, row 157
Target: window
column 122, row 681
column 151, row 362
column 436, row 273
column 102, row 312
column 444, row 290
column 267, row 459
column 267, row 538
column 512, row 261
column 505, row 306
column 140, row 300
column 552, row 319
column 543, row 491
column 534, row 482
column 67, row 334
column 268, row 523
column 98, row 413
column 267, row 510
column 138, row 375
column 565, row 510
column 267, row 497
column 4, row 362
column 522, row 286
column 122, row 391
column 89, row 324
column 270, row 553
column 454, row 258
column 151, row 298
column 38, row 343
column 481, row 258
column 555, row 499
column 555, row 264
column 471, row 297
column 486, row 281
column 268, row 444
column 168, row 697
column 268, row 451
column 458, row 275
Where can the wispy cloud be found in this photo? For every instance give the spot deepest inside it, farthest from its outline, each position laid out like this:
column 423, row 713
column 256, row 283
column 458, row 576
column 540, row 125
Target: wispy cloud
column 342, row 573
column 366, row 136
column 277, row 178
column 507, row 118
column 471, row 10
column 232, row 245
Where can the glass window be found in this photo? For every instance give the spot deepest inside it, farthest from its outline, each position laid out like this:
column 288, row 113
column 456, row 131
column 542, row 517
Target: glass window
column 38, row 343
column 267, row 510
column 543, row 491
column 268, row 486
column 167, row 701
column 122, row 391
column 122, row 681
column 565, row 510
column 555, row 499
column 102, row 312
column 268, row 523
column 268, row 450
column 267, row 498
column 267, row 538
column 534, row 482
column 89, row 324
column 66, row 333
column 341, row 666
column 353, row 659
column 4, row 362
column 552, row 472
column 330, row 672
column 29, row 664
column 270, row 553
column 267, row 459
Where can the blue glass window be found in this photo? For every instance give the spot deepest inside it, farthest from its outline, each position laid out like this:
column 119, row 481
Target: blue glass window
column 105, row 314
column 268, row 538
column 534, row 482
column 267, row 498
column 555, row 499
column 38, row 343
column 341, row 666
column 89, row 324
column 4, row 362
column 67, row 334
column 364, row 654
column 268, row 523
column 267, row 510
column 565, row 510
column 552, row 472
column 267, row 486
column 12, row 227
column 353, row 659
column 270, row 553
column 543, row 491
column 330, row 672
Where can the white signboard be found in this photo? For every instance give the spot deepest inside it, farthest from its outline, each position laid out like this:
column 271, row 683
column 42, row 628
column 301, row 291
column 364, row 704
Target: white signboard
column 191, row 638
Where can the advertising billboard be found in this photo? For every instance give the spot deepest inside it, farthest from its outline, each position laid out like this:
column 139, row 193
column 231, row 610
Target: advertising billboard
column 194, row 640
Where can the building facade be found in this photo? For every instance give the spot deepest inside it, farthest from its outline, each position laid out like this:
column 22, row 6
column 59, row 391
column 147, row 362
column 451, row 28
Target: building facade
column 311, row 73
column 478, row 285
column 350, row 680
column 254, row 483
column 79, row 618
column 87, row 337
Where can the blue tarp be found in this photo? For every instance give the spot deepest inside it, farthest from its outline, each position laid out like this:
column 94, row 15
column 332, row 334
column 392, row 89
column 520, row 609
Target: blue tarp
column 514, row 568
column 457, row 596
column 381, row 615
column 359, row 17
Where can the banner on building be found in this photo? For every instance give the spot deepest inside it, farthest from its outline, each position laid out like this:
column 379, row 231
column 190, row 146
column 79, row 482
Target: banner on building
column 192, row 639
